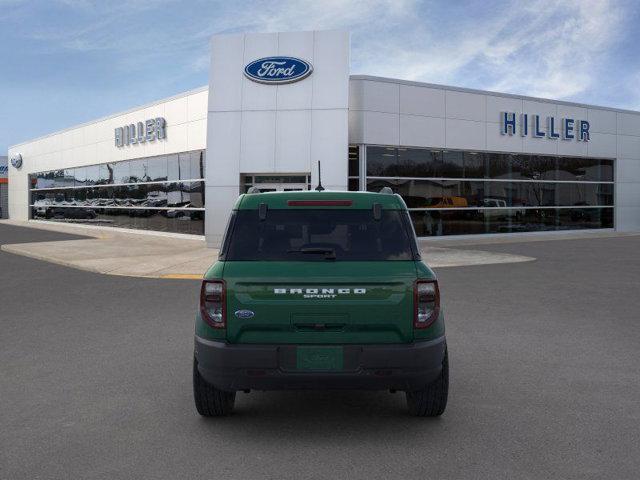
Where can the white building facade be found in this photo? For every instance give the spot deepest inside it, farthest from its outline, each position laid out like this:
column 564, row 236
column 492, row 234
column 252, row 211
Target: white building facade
column 465, row 161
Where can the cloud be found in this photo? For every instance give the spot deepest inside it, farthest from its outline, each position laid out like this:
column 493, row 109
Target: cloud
column 102, row 56
column 558, row 49
column 539, row 48
column 547, row 49
column 151, row 33
column 634, row 93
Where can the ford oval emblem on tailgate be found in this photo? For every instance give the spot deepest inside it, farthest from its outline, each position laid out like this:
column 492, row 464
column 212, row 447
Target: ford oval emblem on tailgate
column 244, row 313
column 278, row 70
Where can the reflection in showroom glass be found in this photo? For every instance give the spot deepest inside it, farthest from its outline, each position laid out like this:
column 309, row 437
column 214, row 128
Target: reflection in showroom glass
column 468, row 222
column 146, row 193
column 183, row 166
column 439, row 193
column 460, row 192
column 423, row 163
column 169, row 220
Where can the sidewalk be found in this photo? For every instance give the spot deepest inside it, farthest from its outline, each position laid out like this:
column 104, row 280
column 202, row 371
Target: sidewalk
column 159, row 255
column 118, row 251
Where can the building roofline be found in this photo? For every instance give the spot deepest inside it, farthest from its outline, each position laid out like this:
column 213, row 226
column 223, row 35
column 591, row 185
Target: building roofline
column 351, row 77
column 113, row 115
column 488, row 92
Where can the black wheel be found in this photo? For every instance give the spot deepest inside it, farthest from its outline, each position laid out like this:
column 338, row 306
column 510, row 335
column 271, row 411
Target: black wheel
column 431, row 401
column 210, row 402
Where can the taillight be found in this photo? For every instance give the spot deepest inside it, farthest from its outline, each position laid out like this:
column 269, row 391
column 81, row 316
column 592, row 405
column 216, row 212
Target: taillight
column 212, row 299
column 426, row 303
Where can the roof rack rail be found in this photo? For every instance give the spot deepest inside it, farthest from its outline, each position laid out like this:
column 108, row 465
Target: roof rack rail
column 386, row 190
column 253, row 190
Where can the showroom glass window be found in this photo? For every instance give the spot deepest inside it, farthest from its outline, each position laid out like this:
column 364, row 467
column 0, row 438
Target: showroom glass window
column 164, row 193
column 452, row 192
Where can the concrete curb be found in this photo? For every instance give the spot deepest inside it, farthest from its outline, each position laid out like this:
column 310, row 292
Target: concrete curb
column 97, row 231
column 436, row 257
column 110, row 252
column 15, row 250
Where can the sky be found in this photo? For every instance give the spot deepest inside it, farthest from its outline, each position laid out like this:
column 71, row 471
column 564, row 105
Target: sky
column 65, row 62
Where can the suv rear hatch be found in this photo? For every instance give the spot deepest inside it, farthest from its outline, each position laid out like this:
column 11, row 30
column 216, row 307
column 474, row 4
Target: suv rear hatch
column 319, row 275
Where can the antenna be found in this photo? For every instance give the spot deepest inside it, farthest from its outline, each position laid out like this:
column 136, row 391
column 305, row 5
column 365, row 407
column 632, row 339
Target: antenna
column 319, row 188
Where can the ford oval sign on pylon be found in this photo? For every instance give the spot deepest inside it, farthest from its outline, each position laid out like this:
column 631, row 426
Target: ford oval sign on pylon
column 278, row 70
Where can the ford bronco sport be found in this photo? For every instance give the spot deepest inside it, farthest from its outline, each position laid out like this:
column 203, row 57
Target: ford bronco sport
column 320, row 290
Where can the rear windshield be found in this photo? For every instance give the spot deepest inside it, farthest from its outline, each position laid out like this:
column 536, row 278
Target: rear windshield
column 319, row 235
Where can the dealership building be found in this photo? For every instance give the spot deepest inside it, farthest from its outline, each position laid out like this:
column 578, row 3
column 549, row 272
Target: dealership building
column 4, row 187
column 465, row 161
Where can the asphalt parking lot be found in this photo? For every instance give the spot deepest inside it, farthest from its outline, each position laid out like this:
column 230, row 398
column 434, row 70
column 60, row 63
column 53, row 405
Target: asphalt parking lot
column 95, row 380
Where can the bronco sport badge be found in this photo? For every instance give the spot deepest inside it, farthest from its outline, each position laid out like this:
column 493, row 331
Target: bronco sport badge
column 319, row 292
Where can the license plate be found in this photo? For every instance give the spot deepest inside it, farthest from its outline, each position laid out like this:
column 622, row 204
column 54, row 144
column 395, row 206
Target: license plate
column 319, row 358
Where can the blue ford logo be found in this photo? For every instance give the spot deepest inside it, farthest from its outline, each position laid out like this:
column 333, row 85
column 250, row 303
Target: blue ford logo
column 244, row 313
column 278, row 70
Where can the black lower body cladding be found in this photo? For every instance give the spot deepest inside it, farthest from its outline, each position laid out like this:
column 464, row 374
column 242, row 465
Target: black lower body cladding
column 233, row 367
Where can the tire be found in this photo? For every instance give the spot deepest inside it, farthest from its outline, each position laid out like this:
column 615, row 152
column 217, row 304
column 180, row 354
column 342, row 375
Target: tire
column 210, row 402
column 432, row 401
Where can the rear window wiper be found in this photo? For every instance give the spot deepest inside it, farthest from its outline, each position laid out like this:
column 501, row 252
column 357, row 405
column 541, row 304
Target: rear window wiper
column 329, row 253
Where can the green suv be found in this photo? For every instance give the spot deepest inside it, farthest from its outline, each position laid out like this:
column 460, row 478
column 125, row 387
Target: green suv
column 320, row 290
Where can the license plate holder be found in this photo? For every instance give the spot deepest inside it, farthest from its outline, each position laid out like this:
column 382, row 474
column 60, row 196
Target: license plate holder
column 314, row 358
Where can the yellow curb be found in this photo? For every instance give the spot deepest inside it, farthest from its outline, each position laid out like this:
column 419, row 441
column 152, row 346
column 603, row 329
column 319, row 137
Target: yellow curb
column 187, row 276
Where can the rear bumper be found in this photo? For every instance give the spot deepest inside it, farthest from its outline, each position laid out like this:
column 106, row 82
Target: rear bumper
column 273, row 367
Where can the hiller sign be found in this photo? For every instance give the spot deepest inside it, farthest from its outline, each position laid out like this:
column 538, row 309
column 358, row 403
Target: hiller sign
column 566, row 128
column 141, row 132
